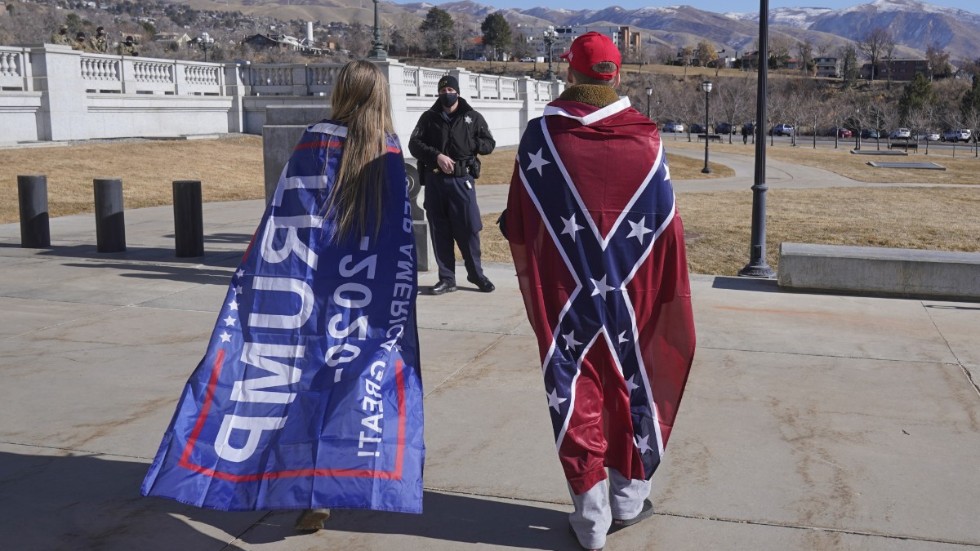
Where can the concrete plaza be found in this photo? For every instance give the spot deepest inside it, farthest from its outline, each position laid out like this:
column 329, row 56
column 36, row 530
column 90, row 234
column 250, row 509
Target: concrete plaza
column 811, row 422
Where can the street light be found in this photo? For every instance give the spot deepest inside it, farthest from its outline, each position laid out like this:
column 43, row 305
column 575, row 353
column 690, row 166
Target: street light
column 706, row 88
column 378, row 52
column 757, row 266
column 205, row 42
column 549, row 39
column 649, row 93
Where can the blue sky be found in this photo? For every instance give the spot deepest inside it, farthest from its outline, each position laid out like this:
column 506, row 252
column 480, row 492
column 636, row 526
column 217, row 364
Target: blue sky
column 707, row 5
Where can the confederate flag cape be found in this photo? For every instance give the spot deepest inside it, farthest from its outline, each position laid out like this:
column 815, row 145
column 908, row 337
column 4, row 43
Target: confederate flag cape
column 309, row 394
column 599, row 251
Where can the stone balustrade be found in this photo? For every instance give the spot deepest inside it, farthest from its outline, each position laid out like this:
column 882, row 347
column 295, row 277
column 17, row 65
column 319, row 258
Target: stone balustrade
column 52, row 93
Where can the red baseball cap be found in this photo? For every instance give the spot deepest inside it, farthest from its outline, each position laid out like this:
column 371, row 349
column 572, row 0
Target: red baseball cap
column 592, row 48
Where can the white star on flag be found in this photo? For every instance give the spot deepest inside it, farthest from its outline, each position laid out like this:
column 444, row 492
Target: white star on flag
column 537, row 161
column 570, row 341
column 238, row 289
column 554, row 401
column 225, row 336
column 570, row 227
column 638, row 229
column 233, row 304
column 229, row 321
column 630, row 385
column 622, row 338
column 642, row 444
column 601, row 287
column 240, row 272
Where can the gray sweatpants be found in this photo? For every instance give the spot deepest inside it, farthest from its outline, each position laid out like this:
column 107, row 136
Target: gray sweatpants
column 617, row 497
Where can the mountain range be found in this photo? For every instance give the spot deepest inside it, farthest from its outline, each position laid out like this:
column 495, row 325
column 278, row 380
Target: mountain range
column 915, row 25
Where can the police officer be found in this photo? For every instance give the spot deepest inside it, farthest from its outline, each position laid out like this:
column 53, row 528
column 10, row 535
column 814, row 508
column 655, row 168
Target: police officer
column 446, row 142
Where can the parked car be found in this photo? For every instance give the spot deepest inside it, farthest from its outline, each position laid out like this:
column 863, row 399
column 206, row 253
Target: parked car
column 527, row 59
column 930, row 136
column 697, row 129
column 957, row 135
column 782, row 130
column 844, row 133
column 869, row 134
column 900, row 134
column 672, row 126
column 724, row 128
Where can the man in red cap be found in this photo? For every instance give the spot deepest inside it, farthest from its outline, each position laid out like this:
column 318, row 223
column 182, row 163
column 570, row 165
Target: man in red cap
column 599, row 250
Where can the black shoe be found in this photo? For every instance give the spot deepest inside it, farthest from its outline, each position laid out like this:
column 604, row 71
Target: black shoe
column 444, row 286
column 482, row 283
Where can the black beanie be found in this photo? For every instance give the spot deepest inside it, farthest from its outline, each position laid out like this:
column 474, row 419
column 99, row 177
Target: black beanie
column 448, row 81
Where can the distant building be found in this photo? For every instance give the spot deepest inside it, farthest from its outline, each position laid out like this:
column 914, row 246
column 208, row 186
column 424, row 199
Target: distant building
column 628, row 41
column 896, row 69
column 827, row 67
column 282, row 41
column 180, row 39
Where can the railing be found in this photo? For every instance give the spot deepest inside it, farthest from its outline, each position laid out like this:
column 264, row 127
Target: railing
column 15, row 74
column 129, row 75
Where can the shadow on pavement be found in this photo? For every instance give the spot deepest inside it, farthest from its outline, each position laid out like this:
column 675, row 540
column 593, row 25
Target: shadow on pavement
column 746, row 284
column 93, row 502
column 189, row 274
column 447, row 518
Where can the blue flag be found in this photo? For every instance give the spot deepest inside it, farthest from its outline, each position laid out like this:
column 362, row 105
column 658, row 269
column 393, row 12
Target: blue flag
column 309, row 395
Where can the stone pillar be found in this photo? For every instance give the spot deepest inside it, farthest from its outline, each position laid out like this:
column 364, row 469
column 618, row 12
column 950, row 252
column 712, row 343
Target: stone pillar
column 403, row 121
column 58, row 75
column 526, row 92
column 235, row 89
column 465, row 90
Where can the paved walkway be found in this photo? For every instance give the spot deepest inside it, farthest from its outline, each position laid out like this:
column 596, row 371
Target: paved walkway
column 811, row 422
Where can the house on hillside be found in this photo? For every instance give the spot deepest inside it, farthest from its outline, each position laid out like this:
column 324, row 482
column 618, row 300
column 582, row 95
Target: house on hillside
column 897, row 69
column 179, row 40
column 827, row 67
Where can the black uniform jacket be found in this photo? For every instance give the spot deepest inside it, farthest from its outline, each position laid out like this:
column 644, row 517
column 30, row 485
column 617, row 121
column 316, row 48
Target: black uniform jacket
column 461, row 138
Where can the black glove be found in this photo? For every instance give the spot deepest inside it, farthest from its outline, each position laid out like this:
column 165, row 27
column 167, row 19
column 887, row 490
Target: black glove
column 502, row 223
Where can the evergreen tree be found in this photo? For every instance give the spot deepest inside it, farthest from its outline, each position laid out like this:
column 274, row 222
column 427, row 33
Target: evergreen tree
column 971, row 99
column 438, row 30
column 917, row 94
column 496, row 33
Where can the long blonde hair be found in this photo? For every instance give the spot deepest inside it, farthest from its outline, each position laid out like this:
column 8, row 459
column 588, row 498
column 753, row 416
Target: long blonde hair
column 361, row 102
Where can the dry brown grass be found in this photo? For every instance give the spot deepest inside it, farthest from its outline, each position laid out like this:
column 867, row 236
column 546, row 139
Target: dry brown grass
column 961, row 169
column 229, row 168
column 717, row 224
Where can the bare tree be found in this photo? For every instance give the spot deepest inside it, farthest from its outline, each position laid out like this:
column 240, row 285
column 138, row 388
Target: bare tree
column 736, row 97
column 805, row 49
column 874, row 45
column 938, row 59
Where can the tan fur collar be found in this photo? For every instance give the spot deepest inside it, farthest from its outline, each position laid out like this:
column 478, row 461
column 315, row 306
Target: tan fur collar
column 591, row 94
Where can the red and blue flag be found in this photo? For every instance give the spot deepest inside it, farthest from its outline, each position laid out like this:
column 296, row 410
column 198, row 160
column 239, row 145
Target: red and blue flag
column 599, row 250
column 309, row 394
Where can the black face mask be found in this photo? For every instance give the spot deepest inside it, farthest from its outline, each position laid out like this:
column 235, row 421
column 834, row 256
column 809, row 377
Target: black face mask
column 448, row 100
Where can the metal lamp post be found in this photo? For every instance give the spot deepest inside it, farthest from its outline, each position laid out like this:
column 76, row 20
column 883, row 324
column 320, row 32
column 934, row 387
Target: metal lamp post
column 757, row 266
column 206, row 42
column 378, row 52
column 706, row 88
column 649, row 93
column 549, row 40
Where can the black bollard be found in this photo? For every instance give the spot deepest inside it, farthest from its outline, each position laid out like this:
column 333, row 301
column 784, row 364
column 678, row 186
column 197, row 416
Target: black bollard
column 188, row 218
column 32, row 194
column 110, row 226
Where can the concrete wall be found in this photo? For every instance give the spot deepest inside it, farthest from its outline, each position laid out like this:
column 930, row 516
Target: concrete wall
column 53, row 93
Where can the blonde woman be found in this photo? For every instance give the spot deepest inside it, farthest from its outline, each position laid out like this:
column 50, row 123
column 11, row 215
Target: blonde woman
column 309, row 395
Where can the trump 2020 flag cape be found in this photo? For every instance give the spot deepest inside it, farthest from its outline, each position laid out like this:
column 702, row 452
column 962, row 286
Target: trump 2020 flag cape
column 309, row 395
column 599, row 251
